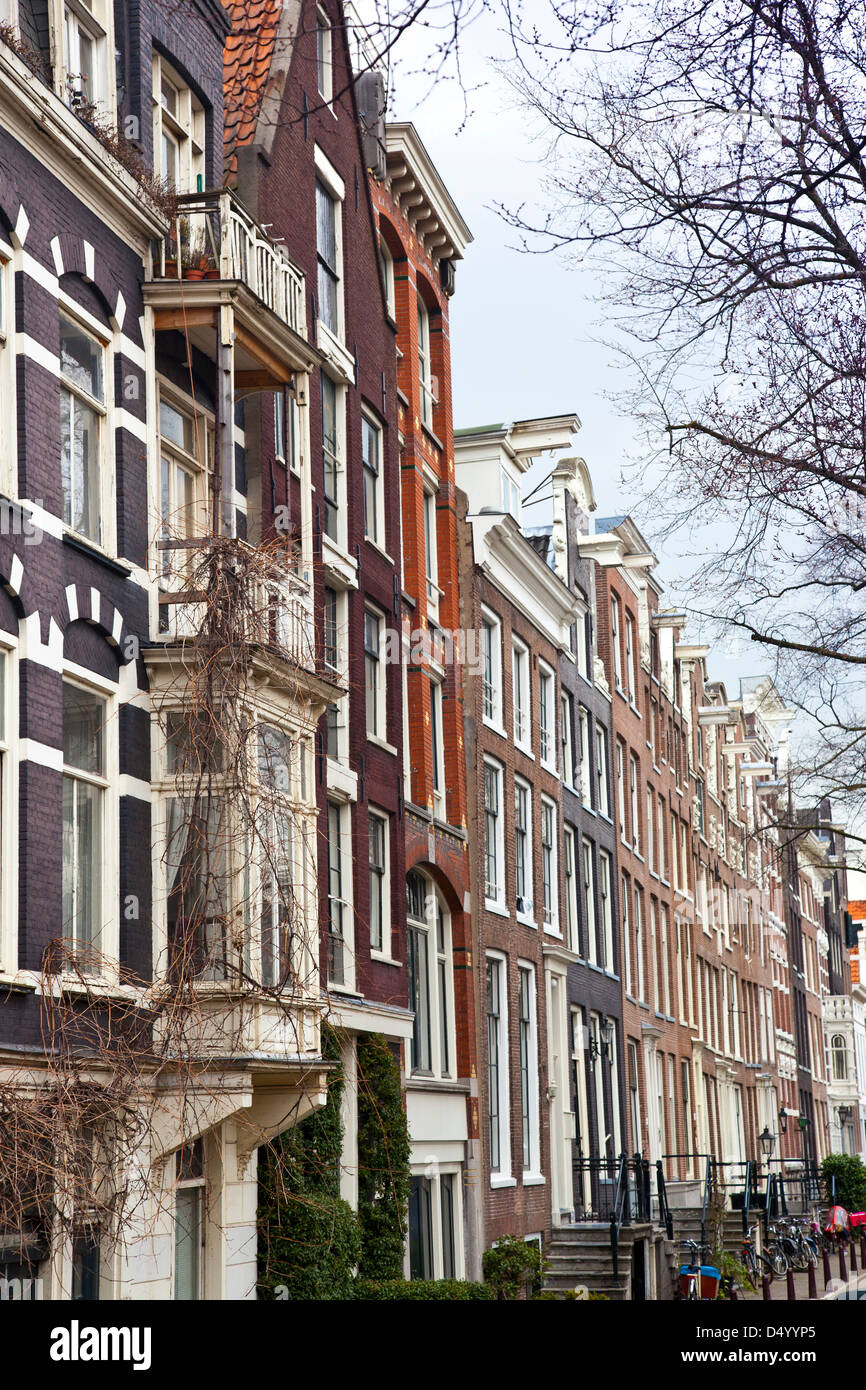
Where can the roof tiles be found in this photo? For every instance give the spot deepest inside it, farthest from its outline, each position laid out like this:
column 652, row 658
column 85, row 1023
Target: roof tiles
column 247, row 61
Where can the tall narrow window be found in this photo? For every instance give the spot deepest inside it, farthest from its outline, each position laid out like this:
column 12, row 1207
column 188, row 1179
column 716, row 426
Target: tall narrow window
column 546, row 717
column 419, row 970
column 330, row 457
column 276, row 819
column 371, row 454
column 327, row 252
column 548, row 863
column 520, row 684
column 631, row 669
column 497, row 1067
column 491, row 668
column 523, row 848
column 374, row 685
column 379, row 907
column 178, row 132
column 425, row 367
column 566, row 714
column 589, row 903
column 625, row 935
column 84, row 54
column 324, row 67
column 602, row 798
column 84, row 792
column 605, row 909
column 431, row 559
column 189, row 1222
column 583, row 751
column 639, row 945
column 634, row 780
column 82, row 411
column 438, row 749
column 615, row 641
column 571, row 891
column 620, row 787
column 336, row 902
column 494, row 885
column 184, row 439
column 528, row 1052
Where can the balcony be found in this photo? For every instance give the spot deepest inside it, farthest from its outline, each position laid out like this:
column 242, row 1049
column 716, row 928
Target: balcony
column 214, row 238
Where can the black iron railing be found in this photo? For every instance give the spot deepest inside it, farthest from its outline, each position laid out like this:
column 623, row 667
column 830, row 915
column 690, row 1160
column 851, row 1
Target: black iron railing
column 665, row 1217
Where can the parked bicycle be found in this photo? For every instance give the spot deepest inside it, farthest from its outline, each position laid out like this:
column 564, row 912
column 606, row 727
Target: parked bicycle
column 699, row 1283
column 755, row 1264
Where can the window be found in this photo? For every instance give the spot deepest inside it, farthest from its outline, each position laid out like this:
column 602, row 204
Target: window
column 84, row 818
column 583, row 753
column 840, row 1057
column 374, row 501
column 638, row 944
column 189, row 1225
column 431, row 559
column 8, row 804
column 425, row 365
column 338, row 910
column 548, row 863
column 523, row 848
column 184, row 450
column 615, row 640
column 630, row 664
column 421, row 1249
column 546, row 717
column 328, row 257
column 661, row 841
column 178, row 134
column 431, row 975
column 82, row 416
column 634, row 1099
column 387, row 261
column 520, row 683
column 332, row 650
column 374, row 684
column 602, row 798
column 571, row 891
column 633, row 803
column 85, row 48
column 625, row 929
column 438, row 750
column 589, row 903
column 332, row 402
column 380, row 898
column 527, row 1027
column 491, row 668
column 494, row 887
column 281, row 774
column 620, row 787
column 650, row 832
column 324, row 65
column 287, row 442
column 566, row 714
column 605, row 910
column 497, row 1067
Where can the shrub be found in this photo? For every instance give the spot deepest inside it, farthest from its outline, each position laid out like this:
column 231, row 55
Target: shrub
column 850, row 1174
column 423, row 1290
column 383, row 1161
column 510, row 1265
column 309, row 1240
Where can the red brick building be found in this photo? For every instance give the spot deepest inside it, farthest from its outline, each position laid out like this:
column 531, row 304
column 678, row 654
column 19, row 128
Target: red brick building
column 421, row 236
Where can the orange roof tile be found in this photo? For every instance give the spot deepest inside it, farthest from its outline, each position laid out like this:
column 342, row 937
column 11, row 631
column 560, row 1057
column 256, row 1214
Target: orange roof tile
column 858, row 910
column 247, row 60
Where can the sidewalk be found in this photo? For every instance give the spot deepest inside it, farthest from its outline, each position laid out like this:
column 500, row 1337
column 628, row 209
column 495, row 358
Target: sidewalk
column 779, row 1286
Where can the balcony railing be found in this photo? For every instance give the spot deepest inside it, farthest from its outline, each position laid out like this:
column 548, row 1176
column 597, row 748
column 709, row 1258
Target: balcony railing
column 214, row 237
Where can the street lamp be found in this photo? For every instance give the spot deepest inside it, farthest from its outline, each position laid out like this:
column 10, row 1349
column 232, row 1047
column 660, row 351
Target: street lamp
column 783, row 1120
column 767, row 1142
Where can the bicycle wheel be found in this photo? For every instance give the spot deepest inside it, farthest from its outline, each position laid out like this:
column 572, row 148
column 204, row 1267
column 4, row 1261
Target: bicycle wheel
column 778, row 1260
column 751, row 1268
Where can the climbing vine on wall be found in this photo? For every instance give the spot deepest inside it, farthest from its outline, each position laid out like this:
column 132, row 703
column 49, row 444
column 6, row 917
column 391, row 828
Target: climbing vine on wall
column 383, row 1155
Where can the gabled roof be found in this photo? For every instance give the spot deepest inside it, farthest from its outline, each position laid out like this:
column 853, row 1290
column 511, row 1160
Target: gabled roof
column 247, row 59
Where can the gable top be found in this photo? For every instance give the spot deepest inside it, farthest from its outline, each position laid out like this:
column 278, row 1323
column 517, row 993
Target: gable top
column 413, row 176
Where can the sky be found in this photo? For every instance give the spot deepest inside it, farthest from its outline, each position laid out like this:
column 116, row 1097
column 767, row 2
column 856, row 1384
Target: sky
column 525, row 327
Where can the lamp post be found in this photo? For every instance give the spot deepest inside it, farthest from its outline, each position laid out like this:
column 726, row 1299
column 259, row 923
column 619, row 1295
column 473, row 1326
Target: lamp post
column 767, row 1142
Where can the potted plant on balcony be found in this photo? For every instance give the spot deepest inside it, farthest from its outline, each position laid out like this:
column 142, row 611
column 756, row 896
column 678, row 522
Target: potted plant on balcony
column 199, row 263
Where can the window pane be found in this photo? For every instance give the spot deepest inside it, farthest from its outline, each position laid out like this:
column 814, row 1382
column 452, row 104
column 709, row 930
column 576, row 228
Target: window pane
column 187, row 1243
column 79, row 464
column 83, row 722
column 80, row 358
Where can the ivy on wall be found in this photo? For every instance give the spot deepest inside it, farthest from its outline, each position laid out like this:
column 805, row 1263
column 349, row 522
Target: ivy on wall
column 383, row 1155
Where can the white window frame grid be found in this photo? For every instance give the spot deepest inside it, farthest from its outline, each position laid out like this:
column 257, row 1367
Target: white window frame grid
column 566, row 713
column 333, row 185
column 547, row 716
column 105, row 489
column 185, row 128
column 549, row 865
column 431, row 554
column 496, row 769
column 426, row 380
column 526, row 911
column 384, row 950
column 374, row 533
column 491, row 689
column 528, row 1064
column 521, row 695
column 345, row 896
column 386, row 257
column 634, row 801
column 379, row 732
column 198, row 464
column 625, row 933
column 605, row 898
column 602, row 796
column 66, row 19
column 324, row 57
column 638, row 918
column 572, row 891
column 500, row 1176
column 437, row 733
column 588, row 895
column 615, row 641
column 631, row 668
column 434, row 931
column 584, row 756
column 620, row 788
column 106, row 940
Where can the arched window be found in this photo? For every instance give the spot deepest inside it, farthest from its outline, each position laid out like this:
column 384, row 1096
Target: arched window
column 840, row 1057
column 431, row 981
